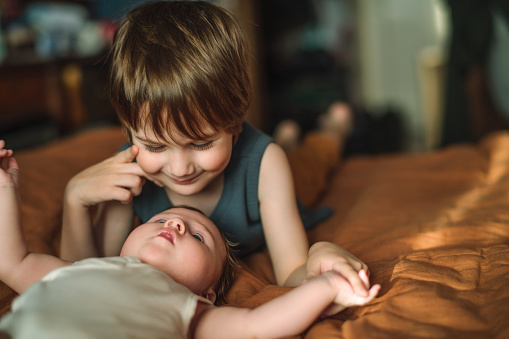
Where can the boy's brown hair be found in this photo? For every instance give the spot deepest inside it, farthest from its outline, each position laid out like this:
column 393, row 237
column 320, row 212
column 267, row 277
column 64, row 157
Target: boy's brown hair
column 182, row 64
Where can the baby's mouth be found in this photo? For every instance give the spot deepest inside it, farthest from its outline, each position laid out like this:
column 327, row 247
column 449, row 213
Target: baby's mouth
column 168, row 235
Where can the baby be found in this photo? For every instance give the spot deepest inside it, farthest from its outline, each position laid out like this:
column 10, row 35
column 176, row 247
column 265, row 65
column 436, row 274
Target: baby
column 170, row 272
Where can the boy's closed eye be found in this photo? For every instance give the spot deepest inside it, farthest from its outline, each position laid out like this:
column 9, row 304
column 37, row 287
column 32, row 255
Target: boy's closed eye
column 201, row 146
column 154, row 149
column 197, row 146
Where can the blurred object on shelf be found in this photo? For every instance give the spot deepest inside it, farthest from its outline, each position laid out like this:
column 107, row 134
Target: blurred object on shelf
column 56, row 26
column 54, row 30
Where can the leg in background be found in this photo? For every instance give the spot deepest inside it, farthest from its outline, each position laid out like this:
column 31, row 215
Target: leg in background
column 319, row 153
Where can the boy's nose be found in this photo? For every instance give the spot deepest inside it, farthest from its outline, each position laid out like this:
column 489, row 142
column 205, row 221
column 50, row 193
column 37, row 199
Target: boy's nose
column 180, row 165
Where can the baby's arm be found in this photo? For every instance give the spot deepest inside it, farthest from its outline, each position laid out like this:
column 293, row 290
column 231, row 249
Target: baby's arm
column 289, row 314
column 18, row 268
column 109, row 186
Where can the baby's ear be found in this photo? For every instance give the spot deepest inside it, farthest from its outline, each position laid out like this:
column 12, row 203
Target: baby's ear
column 210, row 295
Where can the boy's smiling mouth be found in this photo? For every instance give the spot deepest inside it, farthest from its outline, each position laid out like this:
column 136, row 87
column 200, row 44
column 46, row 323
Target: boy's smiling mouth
column 167, row 234
column 185, row 182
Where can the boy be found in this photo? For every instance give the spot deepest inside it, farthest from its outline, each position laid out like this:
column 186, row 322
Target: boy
column 179, row 83
column 163, row 285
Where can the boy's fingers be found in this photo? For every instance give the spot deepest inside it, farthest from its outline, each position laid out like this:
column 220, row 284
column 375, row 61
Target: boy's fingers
column 134, row 184
column 364, row 278
column 133, row 168
column 128, row 155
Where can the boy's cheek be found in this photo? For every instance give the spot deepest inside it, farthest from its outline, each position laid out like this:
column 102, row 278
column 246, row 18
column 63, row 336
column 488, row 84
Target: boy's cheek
column 148, row 164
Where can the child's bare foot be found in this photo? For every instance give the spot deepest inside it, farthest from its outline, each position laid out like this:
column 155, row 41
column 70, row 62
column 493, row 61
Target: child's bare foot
column 287, row 134
column 337, row 121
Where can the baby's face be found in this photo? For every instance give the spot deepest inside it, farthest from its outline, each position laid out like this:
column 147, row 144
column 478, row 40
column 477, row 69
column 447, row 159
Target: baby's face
column 184, row 244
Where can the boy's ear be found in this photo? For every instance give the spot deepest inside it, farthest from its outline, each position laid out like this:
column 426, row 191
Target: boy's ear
column 210, row 295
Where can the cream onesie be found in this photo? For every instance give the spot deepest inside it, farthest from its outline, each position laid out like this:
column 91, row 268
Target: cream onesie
column 116, row 297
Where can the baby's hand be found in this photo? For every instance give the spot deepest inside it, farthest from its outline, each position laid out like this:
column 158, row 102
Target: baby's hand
column 325, row 256
column 116, row 178
column 9, row 177
column 346, row 297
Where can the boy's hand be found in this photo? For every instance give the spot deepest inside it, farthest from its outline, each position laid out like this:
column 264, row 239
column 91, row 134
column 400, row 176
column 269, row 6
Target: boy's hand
column 346, row 297
column 116, row 178
column 325, row 256
column 10, row 175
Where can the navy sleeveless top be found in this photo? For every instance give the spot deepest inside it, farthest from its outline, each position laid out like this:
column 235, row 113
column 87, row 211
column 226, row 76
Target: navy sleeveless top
column 237, row 212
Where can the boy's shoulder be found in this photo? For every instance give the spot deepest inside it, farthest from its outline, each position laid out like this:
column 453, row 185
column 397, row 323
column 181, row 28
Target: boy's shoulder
column 250, row 140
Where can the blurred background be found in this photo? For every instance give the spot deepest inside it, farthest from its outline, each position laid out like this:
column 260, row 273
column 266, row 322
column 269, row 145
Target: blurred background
column 418, row 74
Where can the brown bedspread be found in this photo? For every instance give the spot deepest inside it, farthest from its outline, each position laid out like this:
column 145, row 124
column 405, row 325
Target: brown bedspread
column 433, row 228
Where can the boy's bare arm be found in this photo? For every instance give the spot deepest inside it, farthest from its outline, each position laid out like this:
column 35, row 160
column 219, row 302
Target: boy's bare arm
column 284, row 233
column 289, row 314
column 102, row 235
column 18, row 268
column 110, row 185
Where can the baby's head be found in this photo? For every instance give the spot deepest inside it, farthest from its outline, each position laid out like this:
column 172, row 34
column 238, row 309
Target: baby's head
column 180, row 65
column 185, row 244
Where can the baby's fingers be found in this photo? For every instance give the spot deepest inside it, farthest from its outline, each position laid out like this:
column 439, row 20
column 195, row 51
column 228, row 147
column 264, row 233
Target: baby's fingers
column 357, row 300
column 9, row 176
column 353, row 277
column 373, row 292
column 13, row 169
column 4, row 153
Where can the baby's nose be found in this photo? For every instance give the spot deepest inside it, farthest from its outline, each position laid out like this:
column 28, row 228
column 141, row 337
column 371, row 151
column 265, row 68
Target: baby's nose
column 177, row 224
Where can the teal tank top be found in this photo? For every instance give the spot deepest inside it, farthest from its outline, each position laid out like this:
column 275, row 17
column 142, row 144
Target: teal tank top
column 237, row 212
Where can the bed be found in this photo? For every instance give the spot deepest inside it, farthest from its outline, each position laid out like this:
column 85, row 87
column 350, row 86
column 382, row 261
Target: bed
column 433, row 228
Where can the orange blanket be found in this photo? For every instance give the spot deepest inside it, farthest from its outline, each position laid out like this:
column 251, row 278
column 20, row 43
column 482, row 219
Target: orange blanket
column 433, row 228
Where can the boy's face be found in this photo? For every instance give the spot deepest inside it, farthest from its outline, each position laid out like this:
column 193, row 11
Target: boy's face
column 182, row 243
column 184, row 166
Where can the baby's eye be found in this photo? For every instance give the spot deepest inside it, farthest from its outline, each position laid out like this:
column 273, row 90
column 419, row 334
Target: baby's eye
column 154, row 149
column 202, row 146
column 199, row 237
column 161, row 221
